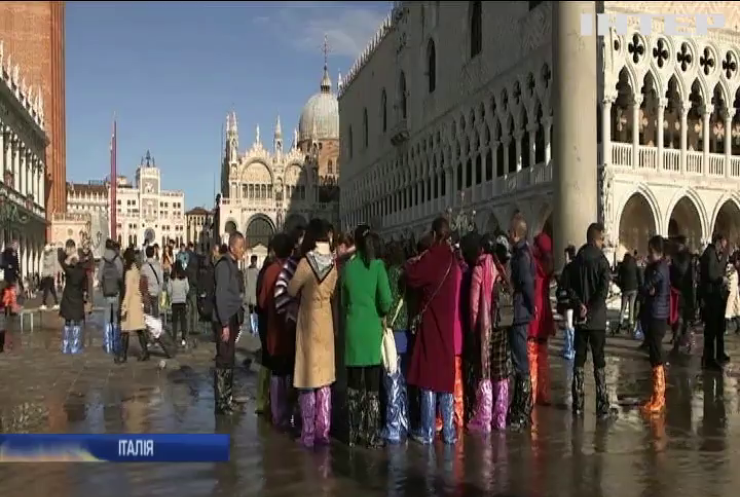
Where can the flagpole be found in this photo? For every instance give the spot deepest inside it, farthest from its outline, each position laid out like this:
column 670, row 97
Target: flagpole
column 113, row 184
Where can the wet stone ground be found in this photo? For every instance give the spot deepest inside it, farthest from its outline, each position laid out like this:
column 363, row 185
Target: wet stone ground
column 694, row 449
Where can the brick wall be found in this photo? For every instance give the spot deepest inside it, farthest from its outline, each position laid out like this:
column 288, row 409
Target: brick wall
column 33, row 33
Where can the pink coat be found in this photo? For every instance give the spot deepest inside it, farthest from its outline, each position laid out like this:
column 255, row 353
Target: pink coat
column 542, row 325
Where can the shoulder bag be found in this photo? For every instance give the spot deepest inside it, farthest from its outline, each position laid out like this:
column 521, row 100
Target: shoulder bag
column 416, row 322
column 388, row 350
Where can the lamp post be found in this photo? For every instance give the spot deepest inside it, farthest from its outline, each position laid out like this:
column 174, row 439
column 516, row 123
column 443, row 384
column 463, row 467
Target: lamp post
column 461, row 223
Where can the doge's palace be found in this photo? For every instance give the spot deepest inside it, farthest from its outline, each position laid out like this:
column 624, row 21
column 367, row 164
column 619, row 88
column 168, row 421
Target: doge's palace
column 420, row 135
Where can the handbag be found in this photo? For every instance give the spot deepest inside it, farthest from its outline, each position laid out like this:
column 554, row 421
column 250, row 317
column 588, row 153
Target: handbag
column 388, row 351
column 504, row 303
column 416, row 321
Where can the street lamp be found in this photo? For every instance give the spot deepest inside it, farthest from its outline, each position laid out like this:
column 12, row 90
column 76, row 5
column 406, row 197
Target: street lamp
column 463, row 222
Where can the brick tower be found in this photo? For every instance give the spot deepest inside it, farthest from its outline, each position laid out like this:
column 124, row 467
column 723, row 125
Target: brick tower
column 33, row 33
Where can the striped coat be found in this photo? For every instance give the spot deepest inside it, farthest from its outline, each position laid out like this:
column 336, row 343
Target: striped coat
column 285, row 305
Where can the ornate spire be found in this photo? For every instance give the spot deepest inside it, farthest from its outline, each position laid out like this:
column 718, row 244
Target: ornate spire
column 340, row 83
column 278, row 129
column 326, row 80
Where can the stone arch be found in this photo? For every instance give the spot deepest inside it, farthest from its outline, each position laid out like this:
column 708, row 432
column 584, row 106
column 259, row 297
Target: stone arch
column 293, row 221
column 726, row 218
column 230, row 226
column 632, row 79
column 638, row 221
column 683, row 93
column 686, row 216
column 259, row 230
column 149, row 235
column 257, row 162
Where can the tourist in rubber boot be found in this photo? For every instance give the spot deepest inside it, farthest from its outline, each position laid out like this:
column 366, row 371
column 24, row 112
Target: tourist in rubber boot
column 539, row 368
column 578, row 387
column 122, row 349
column 263, row 391
column 485, row 351
column 396, row 409
column 307, row 401
column 656, row 310
column 315, row 280
column 279, row 404
column 425, row 433
column 371, row 421
column 354, row 416
column 447, row 408
column 501, row 404
column 458, row 399
column 603, row 409
column 322, row 425
column 520, row 411
column 569, row 352
column 143, row 345
column 223, row 384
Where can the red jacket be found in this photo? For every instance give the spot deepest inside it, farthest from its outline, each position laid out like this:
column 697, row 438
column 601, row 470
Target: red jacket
column 542, row 325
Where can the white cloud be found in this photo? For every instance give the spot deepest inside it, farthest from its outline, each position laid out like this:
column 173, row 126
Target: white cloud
column 347, row 27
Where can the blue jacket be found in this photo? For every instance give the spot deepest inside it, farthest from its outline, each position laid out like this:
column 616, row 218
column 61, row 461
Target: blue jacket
column 656, row 292
column 522, row 280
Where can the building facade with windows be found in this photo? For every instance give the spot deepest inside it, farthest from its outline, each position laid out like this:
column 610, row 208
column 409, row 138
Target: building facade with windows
column 266, row 191
column 199, row 228
column 23, row 143
column 435, row 116
column 145, row 211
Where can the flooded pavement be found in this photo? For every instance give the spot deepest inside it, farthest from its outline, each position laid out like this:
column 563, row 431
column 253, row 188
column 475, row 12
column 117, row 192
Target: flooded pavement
column 694, row 449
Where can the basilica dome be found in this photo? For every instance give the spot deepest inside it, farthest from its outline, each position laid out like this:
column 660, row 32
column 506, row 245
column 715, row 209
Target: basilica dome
column 320, row 116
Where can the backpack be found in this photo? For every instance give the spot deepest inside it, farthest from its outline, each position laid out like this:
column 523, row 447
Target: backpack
column 193, row 270
column 183, row 258
column 206, row 287
column 110, row 279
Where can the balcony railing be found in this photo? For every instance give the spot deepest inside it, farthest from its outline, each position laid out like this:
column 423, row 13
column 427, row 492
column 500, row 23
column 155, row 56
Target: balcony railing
column 696, row 163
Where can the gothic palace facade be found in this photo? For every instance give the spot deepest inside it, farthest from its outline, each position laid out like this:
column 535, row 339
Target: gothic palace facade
column 434, row 116
column 265, row 191
column 23, row 143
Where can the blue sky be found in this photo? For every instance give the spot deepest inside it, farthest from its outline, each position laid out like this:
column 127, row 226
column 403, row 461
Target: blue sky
column 172, row 70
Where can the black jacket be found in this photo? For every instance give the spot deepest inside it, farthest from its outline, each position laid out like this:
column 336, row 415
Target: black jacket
column 628, row 275
column 589, row 279
column 522, row 280
column 72, row 305
column 712, row 267
column 682, row 278
column 655, row 293
column 11, row 265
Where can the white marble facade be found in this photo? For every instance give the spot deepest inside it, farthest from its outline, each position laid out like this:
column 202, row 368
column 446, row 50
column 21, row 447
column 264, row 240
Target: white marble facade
column 23, row 144
column 451, row 104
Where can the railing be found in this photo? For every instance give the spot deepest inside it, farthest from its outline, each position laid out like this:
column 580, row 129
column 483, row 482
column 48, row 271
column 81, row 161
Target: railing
column 715, row 165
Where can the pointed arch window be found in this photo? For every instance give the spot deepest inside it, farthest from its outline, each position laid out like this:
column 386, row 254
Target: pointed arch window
column 476, row 28
column 365, row 131
column 402, row 95
column 384, row 110
column 431, row 66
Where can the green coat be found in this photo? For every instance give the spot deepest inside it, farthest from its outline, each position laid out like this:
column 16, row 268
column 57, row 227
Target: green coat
column 366, row 298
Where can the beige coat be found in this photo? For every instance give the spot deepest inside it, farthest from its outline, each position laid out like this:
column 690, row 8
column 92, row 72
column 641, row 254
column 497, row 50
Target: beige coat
column 132, row 307
column 733, row 300
column 314, row 358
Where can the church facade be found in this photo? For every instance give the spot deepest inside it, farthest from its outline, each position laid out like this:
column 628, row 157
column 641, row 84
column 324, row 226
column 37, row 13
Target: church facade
column 265, row 191
column 420, row 136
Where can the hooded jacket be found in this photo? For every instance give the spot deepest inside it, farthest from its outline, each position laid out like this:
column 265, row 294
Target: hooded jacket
column 589, row 278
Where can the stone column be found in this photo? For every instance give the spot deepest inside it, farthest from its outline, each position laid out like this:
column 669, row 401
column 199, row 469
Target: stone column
column 684, row 110
column 662, row 104
column 606, row 129
column 636, row 102
column 705, row 115
column 2, row 149
column 16, row 164
column 518, row 144
column 505, row 143
column 728, row 115
column 575, row 168
column 547, row 123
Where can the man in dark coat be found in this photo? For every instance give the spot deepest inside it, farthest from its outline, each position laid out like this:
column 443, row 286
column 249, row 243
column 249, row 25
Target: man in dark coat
column 682, row 281
column 434, row 276
column 713, row 288
column 523, row 272
column 589, row 288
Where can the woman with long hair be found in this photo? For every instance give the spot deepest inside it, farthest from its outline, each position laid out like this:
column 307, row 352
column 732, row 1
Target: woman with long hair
column 491, row 344
column 434, row 275
column 132, row 308
column 366, row 299
column 314, row 281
